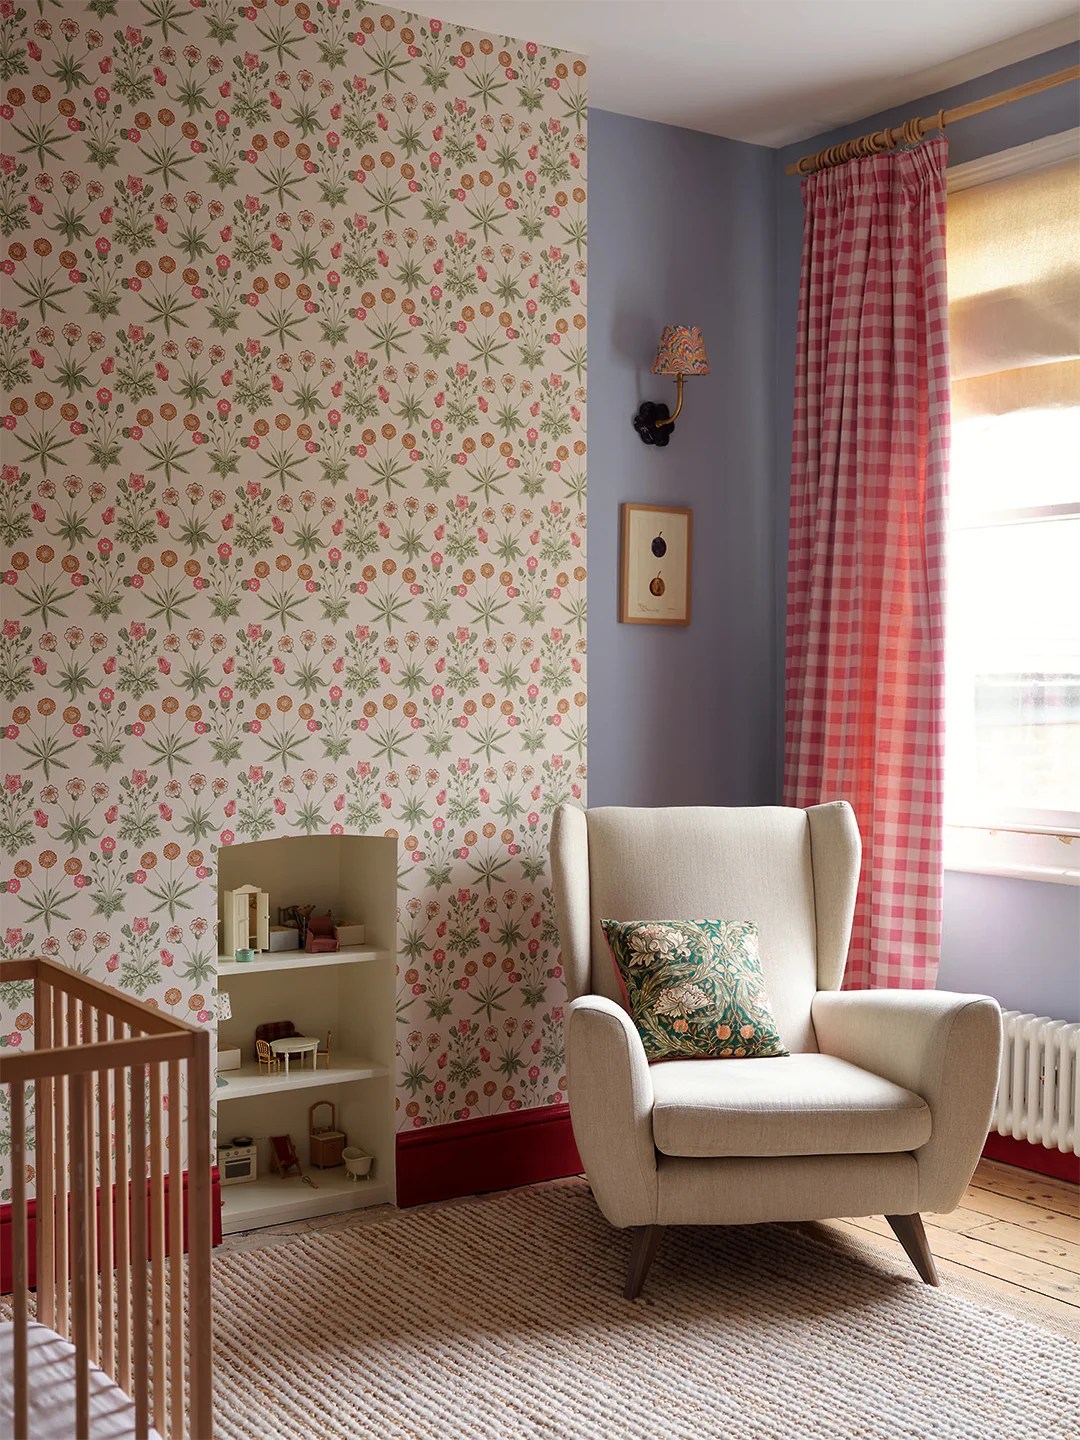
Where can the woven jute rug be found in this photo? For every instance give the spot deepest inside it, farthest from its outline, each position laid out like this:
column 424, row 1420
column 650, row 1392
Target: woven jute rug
column 503, row 1319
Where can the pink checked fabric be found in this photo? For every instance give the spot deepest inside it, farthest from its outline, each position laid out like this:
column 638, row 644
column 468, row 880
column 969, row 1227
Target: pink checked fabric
column 865, row 712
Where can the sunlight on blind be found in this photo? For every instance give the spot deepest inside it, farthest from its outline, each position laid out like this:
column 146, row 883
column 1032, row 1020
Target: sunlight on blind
column 1014, row 271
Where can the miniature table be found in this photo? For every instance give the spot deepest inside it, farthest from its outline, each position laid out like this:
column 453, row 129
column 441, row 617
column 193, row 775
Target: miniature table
column 297, row 1045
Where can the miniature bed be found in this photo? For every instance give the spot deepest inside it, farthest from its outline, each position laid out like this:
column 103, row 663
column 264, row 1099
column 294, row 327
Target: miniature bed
column 117, row 1238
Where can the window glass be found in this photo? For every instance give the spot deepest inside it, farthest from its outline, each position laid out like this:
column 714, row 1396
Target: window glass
column 1011, row 462
column 1013, row 682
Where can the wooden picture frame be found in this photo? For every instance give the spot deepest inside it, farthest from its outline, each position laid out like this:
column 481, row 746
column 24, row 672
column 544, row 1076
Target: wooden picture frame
column 656, row 553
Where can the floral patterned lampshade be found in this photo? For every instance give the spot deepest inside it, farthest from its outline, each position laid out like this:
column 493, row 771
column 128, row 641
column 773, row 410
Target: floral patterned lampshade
column 222, row 1011
column 681, row 352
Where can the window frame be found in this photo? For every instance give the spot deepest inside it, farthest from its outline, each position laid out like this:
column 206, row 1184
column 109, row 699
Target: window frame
column 1028, row 844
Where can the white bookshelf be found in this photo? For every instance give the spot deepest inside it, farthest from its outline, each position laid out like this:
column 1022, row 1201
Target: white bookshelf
column 349, row 993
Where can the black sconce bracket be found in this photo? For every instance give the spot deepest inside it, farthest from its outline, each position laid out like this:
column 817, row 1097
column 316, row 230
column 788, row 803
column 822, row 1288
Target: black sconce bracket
column 648, row 426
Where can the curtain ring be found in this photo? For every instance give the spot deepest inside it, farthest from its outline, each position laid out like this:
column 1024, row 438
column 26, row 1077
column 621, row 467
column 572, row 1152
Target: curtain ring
column 941, row 120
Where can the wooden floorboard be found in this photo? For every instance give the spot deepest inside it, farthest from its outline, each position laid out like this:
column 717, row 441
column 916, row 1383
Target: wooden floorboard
column 1017, row 1231
column 992, row 1206
column 949, row 1270
column 1040, row 1190
column 1021, row 1240
column 1022, row 1270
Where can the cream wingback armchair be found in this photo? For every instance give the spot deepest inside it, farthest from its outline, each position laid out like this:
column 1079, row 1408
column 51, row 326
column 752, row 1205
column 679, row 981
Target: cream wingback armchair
column 882, row 1106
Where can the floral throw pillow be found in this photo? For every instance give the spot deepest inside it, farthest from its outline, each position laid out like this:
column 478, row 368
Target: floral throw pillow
column 694, row 988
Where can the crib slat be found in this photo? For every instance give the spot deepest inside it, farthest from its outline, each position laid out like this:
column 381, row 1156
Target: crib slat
column 157, row 1246
column 176, row 1255
column 18, row 1240
column 139, row 1317
column 43, row 1105
column 199, row 1236
column 123, row 1228
column 105, row 1206
column 86, row 1035
column 81, row 1248
column 60, row 1172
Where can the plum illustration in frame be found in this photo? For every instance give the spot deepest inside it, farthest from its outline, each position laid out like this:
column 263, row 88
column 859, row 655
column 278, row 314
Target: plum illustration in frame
column 656, row 553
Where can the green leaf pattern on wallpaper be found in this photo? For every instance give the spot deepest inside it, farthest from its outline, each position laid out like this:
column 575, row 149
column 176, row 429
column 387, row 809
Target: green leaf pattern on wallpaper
column 291, row 511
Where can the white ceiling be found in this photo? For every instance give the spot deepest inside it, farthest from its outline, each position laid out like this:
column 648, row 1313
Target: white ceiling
column 774, row 71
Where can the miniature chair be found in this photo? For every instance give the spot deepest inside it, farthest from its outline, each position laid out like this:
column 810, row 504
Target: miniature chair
column 322, row 936
column 266, row 1056
column 325, row 1053
column 883, row 1104
column 283, row 1156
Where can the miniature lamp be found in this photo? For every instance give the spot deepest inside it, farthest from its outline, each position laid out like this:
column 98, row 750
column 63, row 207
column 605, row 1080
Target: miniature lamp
column 681, row 352
column 222, row 1011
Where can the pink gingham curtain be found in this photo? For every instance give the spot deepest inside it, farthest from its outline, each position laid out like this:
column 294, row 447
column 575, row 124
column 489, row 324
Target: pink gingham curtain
column 865, row 704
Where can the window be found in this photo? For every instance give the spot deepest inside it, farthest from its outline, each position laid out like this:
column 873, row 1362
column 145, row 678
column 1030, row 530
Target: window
column 1013, row 640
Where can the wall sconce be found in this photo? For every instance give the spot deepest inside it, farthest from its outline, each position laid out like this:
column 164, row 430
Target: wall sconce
column 681, row 352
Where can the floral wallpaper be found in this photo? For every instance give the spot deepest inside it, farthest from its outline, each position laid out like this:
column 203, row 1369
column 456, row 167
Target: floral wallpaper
column 292, row 530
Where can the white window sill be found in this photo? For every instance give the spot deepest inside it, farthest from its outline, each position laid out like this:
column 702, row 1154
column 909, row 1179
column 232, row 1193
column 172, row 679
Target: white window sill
column 1014, row 853
column 1013, row 872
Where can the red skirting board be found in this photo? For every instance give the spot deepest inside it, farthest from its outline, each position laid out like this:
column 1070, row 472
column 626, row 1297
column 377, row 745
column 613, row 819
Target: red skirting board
column 523, row 1147
column 1062, row 1166
column 493, row 1152
column 6, row 1272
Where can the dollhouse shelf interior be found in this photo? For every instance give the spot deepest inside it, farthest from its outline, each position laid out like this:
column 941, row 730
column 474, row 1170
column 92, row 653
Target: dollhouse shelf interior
column 349, row 992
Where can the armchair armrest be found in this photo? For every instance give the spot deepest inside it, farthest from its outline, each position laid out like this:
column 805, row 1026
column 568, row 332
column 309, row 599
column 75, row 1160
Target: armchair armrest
column 611, row 1100
column 942, row 1046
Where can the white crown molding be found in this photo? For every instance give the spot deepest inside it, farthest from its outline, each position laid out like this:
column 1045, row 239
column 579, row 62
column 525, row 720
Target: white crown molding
column 1036, row 155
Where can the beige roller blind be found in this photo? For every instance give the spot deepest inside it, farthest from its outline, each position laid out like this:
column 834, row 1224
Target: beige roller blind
column 1014, row 291
column 1034, row 387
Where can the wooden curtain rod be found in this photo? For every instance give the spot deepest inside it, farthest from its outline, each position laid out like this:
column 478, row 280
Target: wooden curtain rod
column 912, row 131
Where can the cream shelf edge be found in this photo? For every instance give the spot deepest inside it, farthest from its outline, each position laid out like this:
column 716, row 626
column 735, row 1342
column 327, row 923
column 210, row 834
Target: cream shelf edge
column 282, row 960
column 249, row 1081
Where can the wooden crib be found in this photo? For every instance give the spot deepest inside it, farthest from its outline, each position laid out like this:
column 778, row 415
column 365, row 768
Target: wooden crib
column 120, row 1306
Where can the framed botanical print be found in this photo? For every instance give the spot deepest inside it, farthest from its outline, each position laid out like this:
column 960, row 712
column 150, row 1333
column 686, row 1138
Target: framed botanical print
column 655, row 555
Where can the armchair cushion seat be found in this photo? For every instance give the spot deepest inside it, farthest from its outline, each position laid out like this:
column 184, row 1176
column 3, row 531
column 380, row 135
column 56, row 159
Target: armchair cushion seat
column 805, row 1104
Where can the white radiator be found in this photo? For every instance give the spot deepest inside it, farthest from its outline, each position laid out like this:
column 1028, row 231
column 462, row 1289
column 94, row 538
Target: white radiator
column 1038, row 1095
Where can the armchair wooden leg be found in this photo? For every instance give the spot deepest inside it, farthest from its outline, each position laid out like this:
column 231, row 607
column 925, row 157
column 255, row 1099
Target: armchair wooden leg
column 646, row 1239
column 908, row 1229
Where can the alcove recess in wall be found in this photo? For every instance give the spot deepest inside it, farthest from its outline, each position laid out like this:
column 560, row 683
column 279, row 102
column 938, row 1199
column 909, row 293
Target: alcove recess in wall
column 349, row 992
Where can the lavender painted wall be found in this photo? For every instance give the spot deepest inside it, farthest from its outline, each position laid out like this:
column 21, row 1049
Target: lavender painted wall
column 1016, row 939
column 681, row 231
